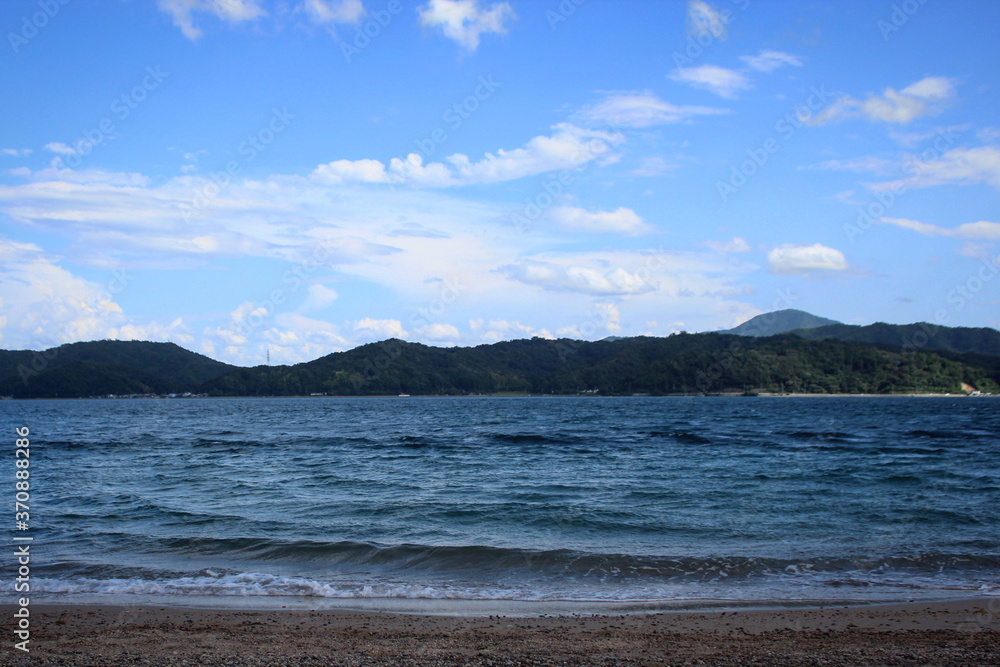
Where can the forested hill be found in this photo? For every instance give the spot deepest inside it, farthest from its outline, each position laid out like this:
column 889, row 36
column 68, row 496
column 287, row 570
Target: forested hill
column 105, row 367
column 779, row 322
column 684, row 363
column 958, row 340
column 680, row 364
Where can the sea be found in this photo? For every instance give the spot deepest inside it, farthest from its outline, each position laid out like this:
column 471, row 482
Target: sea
column 417, row 504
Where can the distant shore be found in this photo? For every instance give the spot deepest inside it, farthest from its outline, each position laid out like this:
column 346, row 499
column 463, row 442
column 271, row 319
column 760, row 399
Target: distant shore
column 516, row 395
column 961, row 632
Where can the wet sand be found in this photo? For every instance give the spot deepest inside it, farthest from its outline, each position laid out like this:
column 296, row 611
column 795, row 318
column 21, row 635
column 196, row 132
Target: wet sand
column 965, row 632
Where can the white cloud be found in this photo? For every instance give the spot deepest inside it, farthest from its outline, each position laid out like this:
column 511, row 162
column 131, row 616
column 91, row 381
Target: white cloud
column 986, row 135
column 496, row 330
column 931, row 88
column 737, row 245
column 296, row 338
column 375, row 329
column 981, row 230
column 719, row 80
column 174, row 332
column 621, row 221
column 790, row 258
column 567, row 147
column 243, row 321
column 926, row 97
column 60, row 148
column 129, row 219
column 870, row 163
column 231, row 11
column 465, row 20
column 334, row 11
column 319, row 297
column 959, row 166
column 921, row 227
column 439, row 332
column 576, row 278
column 16, row 152
column 46, row 305
column 703, row 19
column 346, row 171
column 608, row 313
column 655, row 166
column 642, row 109
column 253, row 332
column 768, row 60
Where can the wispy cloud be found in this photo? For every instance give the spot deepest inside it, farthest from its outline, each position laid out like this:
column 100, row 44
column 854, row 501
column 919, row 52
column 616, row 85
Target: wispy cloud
column 719, row 80
column 231, row 11
column 620, row 221
column 466, row 20
column 768, row 60
column 576, row 278
column 958, row 166
column 42, row 297
column 334, row 11
column 866, row 164
column 641, row 109
column 60, row 148
column 703, row 19
column 737, row 245
column 799, row 258
column 982, row 230
column 567, row 147
column 926, row 97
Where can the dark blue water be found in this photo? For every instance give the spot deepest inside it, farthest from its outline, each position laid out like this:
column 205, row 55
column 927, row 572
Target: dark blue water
column 515, row 499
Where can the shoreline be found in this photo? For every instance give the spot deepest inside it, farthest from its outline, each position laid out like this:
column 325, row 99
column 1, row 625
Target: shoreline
column 504, row 395
column 490, row 607
column 954, row 632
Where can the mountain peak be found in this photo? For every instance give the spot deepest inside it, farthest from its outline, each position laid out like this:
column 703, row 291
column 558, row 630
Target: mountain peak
column 779, row 322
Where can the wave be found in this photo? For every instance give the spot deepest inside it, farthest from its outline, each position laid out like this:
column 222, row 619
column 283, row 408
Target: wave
column 478, row 558
column 553, row 576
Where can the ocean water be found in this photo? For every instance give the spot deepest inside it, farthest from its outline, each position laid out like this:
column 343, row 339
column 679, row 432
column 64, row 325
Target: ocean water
column 609, row 500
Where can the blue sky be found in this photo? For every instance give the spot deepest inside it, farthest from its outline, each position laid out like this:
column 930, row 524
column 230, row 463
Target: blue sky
column 305, row 176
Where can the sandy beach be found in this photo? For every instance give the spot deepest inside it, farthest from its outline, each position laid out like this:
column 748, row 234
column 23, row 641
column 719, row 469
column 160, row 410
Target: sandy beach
column 965, row 632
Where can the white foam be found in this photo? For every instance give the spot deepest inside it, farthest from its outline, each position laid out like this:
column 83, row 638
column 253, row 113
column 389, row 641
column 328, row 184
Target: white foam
column 242, row 584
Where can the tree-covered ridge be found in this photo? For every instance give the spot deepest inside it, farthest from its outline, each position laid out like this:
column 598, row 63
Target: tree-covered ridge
column 686, row 363
column 105, row 367
column 919, row 336
column 681, row 364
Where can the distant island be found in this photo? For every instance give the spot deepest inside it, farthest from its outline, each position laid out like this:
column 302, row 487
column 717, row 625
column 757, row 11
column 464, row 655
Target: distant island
column 785, row 352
